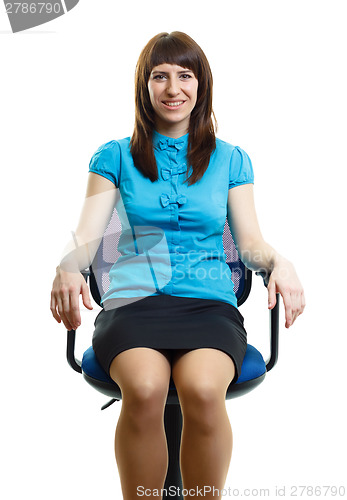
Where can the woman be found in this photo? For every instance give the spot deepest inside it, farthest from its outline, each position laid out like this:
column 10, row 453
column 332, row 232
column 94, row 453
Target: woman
column 187, row 326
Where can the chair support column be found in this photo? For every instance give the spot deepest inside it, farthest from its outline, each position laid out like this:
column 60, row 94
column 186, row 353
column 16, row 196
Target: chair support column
column 173, row 429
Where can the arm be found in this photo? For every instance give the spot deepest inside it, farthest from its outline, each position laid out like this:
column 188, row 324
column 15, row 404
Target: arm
column 96, row 213
column 260, row 256
column 79, row 253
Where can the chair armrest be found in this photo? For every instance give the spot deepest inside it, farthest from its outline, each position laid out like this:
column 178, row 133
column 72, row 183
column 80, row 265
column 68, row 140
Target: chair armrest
column 71, row 337
column 274, row 329
column 70, row 352
column 273, row 323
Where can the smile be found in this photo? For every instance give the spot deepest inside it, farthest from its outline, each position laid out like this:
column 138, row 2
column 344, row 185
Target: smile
column 173, row 104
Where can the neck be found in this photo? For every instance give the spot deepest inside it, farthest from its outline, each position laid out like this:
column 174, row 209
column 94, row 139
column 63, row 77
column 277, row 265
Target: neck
column 175, row 130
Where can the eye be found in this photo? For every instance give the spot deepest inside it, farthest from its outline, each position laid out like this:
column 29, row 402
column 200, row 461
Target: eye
column 158, row 77
column 186, row 76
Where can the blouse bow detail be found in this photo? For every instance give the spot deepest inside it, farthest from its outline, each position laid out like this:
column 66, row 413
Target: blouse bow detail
column 165, row 199
column 167, row 172
column 168, row 141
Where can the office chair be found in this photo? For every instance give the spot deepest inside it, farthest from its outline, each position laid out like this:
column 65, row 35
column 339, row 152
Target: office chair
column 253, row 370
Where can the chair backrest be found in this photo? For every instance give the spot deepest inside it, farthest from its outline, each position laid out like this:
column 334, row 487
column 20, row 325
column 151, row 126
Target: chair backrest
column 107, row 254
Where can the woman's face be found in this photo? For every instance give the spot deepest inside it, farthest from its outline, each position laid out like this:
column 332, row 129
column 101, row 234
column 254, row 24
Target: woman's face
column 173, row 93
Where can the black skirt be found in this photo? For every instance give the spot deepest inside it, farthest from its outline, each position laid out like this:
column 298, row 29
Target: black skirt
column 169, row 322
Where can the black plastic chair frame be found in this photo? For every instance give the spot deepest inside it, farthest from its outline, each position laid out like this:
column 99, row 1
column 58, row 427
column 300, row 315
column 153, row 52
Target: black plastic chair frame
column 113, row 390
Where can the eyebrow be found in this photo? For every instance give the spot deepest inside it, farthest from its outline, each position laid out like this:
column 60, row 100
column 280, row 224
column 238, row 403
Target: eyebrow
column 165, row 72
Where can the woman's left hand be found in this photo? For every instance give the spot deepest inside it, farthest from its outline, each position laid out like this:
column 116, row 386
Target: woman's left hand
column 284, row 280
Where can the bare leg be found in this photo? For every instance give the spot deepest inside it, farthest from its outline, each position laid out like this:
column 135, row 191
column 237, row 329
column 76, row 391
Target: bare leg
column 143, row 375
column 202, row 377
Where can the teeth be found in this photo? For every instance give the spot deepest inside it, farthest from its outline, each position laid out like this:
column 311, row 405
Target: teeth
column 173, row 104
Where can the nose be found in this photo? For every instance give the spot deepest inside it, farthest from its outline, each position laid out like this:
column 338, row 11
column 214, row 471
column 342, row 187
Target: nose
column 172, row 87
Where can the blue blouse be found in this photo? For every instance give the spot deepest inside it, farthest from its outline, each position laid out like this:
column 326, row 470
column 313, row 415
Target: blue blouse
column 172, row 233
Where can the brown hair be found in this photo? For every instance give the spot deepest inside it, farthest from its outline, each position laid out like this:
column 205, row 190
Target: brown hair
column 174, row 48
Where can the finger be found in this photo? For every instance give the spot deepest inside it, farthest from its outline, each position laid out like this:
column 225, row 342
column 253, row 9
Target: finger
column 288, row 307
column 65, row 296
column 299, row 304
column 75, row 316
column 85, row 296
column 53, row 307
column 295, row 306
column 61, row 311
column 271, row 293
column 70, row 305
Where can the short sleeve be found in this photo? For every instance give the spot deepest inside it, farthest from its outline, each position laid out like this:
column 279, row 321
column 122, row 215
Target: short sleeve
column 240, row 170
column 106, row 161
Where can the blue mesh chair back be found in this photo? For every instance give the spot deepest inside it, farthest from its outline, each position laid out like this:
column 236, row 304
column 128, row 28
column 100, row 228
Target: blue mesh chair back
column 108, row 254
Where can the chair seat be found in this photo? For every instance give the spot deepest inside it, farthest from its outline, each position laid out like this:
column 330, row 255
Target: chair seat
column 253, row 366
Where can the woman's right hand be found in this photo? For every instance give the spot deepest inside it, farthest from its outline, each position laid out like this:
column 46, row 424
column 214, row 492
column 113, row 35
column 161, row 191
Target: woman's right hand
column 65, row 293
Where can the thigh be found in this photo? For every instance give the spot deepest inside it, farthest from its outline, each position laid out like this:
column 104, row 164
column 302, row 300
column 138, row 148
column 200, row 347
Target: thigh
column 203, row 371
column 142, row 369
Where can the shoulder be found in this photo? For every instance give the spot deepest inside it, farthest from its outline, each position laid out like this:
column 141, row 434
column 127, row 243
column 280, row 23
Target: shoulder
column 112, row 151
column 227, row 147
column 123, row 144
column 224, row 149
column 220, row 144
column 108, row 157
column 235, row 154
column 237, row 161
column 114, row 145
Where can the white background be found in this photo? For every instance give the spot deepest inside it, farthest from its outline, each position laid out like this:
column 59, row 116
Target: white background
column 280, row 94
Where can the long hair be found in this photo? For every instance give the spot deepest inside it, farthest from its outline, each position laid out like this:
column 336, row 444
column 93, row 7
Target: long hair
column 174, row 48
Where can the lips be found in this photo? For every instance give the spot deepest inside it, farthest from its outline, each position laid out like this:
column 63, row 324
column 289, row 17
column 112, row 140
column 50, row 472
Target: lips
column 173, row 104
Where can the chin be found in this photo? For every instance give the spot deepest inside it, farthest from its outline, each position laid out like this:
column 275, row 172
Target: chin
column 174, row 119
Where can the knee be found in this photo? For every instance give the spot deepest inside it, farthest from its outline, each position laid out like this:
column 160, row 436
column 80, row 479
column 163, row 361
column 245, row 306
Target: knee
column 144, row 403
column 202, row 404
